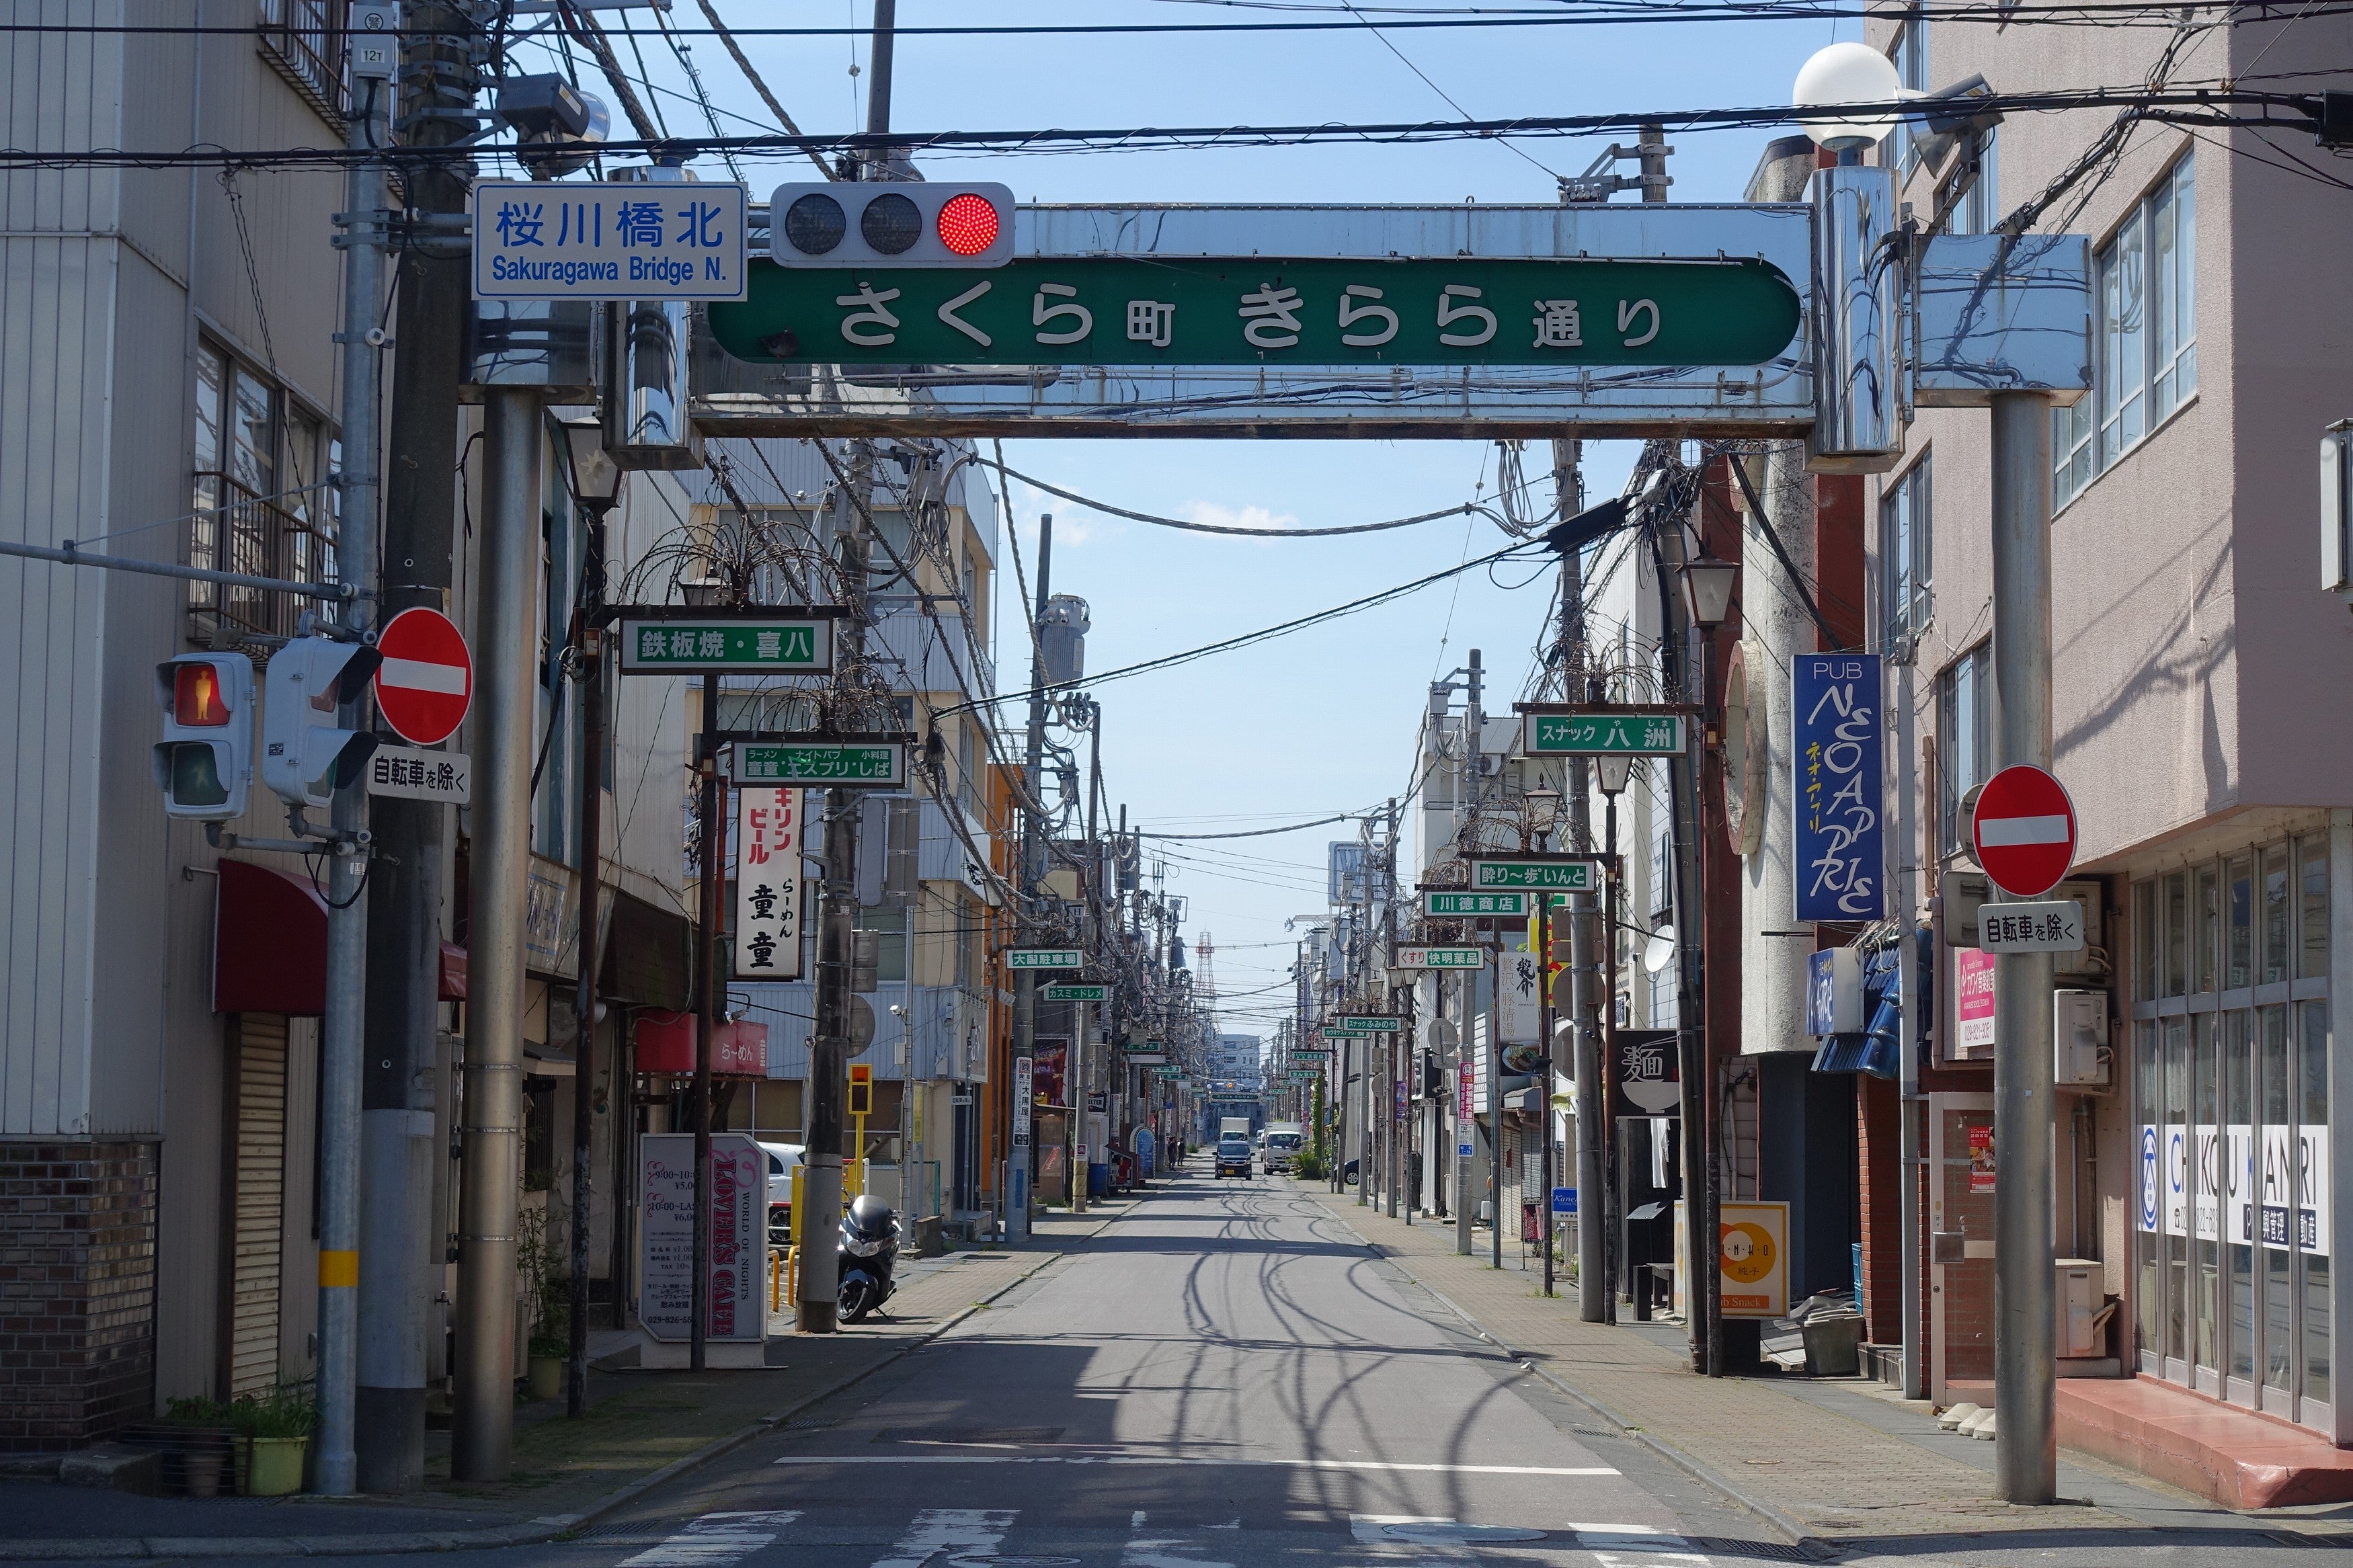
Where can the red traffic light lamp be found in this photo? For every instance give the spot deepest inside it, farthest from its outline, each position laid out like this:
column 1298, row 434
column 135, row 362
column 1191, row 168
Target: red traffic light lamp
column 922, row 223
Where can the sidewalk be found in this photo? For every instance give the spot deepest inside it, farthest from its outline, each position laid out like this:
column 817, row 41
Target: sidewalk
column 642, row 1429
column 1835, row 1461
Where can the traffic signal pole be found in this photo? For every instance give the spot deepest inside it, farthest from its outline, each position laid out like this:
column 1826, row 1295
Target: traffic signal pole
column 342, row 1038
column 1593, row 1204
column 1033, row 854
column 2026, row 1457
column 499, row 863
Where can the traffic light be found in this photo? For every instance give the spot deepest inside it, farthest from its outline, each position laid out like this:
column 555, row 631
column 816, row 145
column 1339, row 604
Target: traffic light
column 306, row 754
column 204, row 763
column 882, row 224
column 861, row 1090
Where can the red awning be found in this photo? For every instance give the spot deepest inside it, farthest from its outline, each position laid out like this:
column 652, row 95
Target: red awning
column 269, row 945
column 665, row 1042
column 270, row 942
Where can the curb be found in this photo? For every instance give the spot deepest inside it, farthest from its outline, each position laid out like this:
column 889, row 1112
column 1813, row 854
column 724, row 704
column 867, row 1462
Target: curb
column 1790, row 1530
column 528, row 1533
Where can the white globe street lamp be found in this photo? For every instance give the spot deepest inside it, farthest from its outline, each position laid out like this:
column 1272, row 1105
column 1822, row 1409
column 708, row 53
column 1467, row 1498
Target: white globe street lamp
column 1843, row 74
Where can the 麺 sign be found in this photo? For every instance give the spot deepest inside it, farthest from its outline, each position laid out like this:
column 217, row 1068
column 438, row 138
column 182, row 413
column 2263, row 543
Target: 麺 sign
column 1170, row 310
column 608, row 241
column 1837, row 791
column 1604, row 734
column 1507, row 905
column 727, row 647
column 834, row 764
column 1559, row 875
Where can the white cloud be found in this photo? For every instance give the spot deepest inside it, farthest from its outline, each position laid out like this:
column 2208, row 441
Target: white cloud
column 1256, row 518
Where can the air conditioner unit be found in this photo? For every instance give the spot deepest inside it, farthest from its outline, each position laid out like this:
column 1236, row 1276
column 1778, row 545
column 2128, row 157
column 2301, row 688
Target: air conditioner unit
column 2079, row 1038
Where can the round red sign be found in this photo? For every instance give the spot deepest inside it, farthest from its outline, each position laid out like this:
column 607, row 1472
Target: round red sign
column 426, row 679
column 2024, row 831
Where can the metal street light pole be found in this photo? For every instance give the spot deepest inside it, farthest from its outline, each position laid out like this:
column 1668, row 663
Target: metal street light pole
column 2026, row 1459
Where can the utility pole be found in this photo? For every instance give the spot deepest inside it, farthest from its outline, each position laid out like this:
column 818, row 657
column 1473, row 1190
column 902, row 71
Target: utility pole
column 591, row 680
column 1905, row 656
column 1032, row 869
column 712, row 832
column 343, row 1044
column 404, row 1242
column 1395, row 1045
column 483, row 1435
column 1593, row 1205
column 2026, row 1457
column 818, row 1222
column 1475, row 723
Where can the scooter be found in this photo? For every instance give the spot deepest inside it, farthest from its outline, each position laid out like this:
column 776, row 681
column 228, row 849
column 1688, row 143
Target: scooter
column 870, row 1250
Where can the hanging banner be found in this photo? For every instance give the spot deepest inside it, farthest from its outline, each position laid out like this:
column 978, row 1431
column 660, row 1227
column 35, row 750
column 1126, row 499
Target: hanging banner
column 1837, row 760
column 768, row 884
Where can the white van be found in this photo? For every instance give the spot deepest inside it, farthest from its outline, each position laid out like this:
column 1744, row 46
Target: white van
column 784, row 1159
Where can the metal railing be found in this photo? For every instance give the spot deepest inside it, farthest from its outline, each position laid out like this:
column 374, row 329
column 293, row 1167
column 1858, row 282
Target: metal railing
column 303, row 41
column 236, row 529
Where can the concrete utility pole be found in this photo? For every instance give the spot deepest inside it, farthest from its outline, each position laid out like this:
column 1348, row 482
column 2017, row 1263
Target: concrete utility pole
column 593, row 724
column 507, row 627
column 2026, row 1456
column 1466, row 1180
column 1907, row 1033
column 343, row 1044
column 1032, row 869
column 709, row 994
column 1394, row 1045
column 1593, row 1198
column 405, row 1239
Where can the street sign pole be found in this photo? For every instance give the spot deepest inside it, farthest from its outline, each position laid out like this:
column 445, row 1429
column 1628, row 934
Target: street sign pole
column 2026, row 1458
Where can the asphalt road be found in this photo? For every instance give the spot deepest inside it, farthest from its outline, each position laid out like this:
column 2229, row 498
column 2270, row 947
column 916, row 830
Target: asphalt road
column 1225, row 1378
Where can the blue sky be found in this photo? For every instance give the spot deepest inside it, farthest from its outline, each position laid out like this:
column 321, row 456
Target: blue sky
column 1321, row 721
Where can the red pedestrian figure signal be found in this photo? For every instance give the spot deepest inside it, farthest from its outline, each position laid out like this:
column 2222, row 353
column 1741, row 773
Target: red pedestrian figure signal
column 2024, row 831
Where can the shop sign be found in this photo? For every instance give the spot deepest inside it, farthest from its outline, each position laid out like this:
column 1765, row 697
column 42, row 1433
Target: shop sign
column 739, row 1236
column 2294, row 1193
column 1649, row 1079
column 1753, row 1259
column 768, row 844
column 1973, row 994
column 1981, row 1167
column 1838, row 791
column 1021, row 1091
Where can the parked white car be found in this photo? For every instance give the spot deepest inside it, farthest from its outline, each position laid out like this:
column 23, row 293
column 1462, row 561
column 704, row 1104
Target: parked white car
column 784, row 1159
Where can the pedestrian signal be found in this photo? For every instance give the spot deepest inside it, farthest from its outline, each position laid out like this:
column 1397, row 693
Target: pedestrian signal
column 306, row 752
column 204, row 763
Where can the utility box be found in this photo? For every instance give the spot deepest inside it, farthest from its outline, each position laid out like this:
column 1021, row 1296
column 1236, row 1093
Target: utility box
column 2079, row 1039
column 2082, row 1308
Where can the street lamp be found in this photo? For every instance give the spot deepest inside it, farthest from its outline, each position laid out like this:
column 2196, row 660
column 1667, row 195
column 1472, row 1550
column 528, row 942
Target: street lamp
column 1544, row 810
column 1841, row 74
column 702, row 593
column 1708, row 589
column 1612, row 774
column 596, row 478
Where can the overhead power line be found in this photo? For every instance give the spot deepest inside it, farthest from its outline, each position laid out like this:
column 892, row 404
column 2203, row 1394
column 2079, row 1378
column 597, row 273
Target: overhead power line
column 2174, row 104
column 1106, row 508
column 1258, row 832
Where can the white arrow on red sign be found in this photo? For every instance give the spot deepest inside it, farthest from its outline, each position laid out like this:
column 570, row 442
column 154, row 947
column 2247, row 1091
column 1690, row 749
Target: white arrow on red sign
column 426, row 679
column 2024, row 831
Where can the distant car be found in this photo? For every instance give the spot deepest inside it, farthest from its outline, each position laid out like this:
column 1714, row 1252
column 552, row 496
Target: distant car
column 1234, row 1157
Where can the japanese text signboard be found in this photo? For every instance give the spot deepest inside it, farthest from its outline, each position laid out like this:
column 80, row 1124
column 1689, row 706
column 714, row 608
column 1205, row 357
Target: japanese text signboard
column 1561, row 876
column 835, row 763
column 1369, row 1024
column 406, row 773
column 1075, row 994
column 768, row 844
column 1649, row 1079
column 608, row 241
column 739, row 1236
column 1113, row 310
column 1044, row 958
column 1838, row 791
column 1505, row 905
column 2053, row 926
column 1440, row 958
column 781, row 646
column 1753, row 1259
column 1604, row 734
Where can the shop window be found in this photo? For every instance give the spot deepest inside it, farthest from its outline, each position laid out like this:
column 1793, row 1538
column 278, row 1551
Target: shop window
column 1909, row 52
column 891, row 921
column 2275, row 915
column 2145, row 358
column 2239, row 960
column 2312, row 909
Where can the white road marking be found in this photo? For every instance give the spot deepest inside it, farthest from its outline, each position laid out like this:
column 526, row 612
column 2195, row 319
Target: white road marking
column 1379, row 1464
column 1161, row 1552
column 1635, row 1546
column 714, row 1540
column 966, row 1536
column 1136, row 1519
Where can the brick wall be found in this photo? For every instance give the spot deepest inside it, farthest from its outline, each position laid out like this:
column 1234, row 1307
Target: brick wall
column 1878, row 1129
column 76, row 1291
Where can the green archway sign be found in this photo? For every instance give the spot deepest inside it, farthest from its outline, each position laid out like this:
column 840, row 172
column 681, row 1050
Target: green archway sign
column 1254, row 311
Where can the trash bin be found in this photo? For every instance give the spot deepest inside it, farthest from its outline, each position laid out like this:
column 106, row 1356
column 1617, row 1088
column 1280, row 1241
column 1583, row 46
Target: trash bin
column 1099, row 1181
column 1834, row 1345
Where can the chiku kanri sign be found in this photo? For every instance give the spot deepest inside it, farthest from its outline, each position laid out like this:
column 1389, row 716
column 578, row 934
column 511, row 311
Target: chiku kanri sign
column 1252, row 311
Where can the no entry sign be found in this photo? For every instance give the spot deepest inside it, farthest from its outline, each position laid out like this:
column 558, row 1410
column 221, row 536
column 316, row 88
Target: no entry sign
column 426, row 678
column 2024, row 830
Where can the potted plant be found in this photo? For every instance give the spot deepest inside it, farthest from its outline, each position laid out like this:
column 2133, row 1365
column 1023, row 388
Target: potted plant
column 277, row 1434
column 551, row 1309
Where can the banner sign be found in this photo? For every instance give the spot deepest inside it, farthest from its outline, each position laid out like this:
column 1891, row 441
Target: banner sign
column 1022, row 1079
column 768, row 835
column 1838, row 788
column 739, row 1236
column 1649, row 1079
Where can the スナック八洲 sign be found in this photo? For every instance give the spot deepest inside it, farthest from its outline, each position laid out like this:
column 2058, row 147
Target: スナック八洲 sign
column 1617, row 734
column 1837, row 790
column 535, row 240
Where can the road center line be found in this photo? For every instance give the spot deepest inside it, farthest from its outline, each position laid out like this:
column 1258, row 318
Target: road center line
column 1378, row 1465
